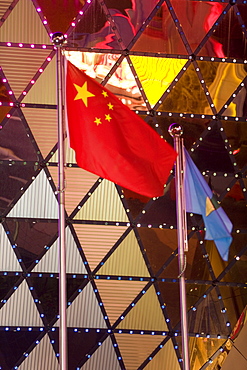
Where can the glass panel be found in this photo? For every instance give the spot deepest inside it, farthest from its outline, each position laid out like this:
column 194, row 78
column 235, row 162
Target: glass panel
column 187, row 96
column 161, row 35
column 201, row 349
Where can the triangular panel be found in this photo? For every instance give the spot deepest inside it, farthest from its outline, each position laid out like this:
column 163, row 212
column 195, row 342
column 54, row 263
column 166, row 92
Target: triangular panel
column 38, row 201
column 78, row 184
column 100, row 361
column 8, row 261
column 165, row 358
column 74, row 263
column 126, row 260
column 42, row 357
column 85, row 311
column 135, row 348
column 97, row 240
column 117, row 295
column 42, row 92
column 29, row 62
column 156, row 75
column 43, row 124
column 24, row 25
column 104, row 204
column 146, row 314
column 20, row 309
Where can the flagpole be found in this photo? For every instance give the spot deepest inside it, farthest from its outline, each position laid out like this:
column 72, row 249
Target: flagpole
column 176, row 132
column 58, row 40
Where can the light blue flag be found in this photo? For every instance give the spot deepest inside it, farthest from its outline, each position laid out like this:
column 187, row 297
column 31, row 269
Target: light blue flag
column 199, row 199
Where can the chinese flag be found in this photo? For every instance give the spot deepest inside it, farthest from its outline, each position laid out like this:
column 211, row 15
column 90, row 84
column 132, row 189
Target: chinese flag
column 113, row 142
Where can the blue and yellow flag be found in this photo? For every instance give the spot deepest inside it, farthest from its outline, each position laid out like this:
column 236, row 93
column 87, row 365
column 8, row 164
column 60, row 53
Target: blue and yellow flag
column 200, row 200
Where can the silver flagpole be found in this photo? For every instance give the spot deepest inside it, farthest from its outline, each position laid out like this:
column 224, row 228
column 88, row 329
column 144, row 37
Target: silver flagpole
column 176, row 132
column 58, row 40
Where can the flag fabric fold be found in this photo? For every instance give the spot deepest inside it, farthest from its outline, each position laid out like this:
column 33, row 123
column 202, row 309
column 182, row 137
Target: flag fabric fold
column 200, row 200
column 112, row 141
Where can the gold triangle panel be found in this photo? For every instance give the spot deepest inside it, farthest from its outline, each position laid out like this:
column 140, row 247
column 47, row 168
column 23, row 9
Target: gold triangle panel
column 104, row 204
column 43, row 124
column 117, row 295
column 156, row 75
column 126, row 260
column 166, row 358
column 74, row 263
column 135, row 348
column 29, row 62
column 69, row 154
column 187, row 96
column 85, row 311
column 227, row 78
column 8, row 261
column 27, row 313
column 78, row 184
column 38, row 201
column 43, row 92
column 146, row 314
column 23, row 25
column 97, row 240
column 205, row 348
column 100, row 361
column 36, row 359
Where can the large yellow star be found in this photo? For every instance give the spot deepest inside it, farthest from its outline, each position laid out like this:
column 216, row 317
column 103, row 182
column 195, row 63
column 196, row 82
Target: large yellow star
column 83, row 93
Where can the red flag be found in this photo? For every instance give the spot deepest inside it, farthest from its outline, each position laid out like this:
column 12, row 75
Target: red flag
column 113, row 142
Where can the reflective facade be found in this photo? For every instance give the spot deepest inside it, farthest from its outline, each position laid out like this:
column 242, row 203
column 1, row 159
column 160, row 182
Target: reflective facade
column 170, row 61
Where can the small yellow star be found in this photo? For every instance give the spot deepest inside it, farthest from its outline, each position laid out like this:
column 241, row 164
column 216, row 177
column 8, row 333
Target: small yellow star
column 83, row 93
column 108, row 117
column 97, row 121
column 104, row 93
column 110, row 106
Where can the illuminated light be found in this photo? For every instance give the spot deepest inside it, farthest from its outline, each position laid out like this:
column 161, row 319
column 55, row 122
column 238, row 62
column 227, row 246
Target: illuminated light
column 41, row 70
column 234, row 60
column 45, row 22
column 223, row 60
column 38, row 10
column 225, row 118
column 236, row 119
column 10, row 92
column 170, row 114
column 48, row 59
column 24, row 93
column 32, row 81
column 8, row 116
column 237, row 258
column 43, row 46
column 225, row 106
column 225, row 174
column 234, row 95
column 228, row 324
column 192, row 115
column 202, row 81
column 9, row 44
column 81, row 12
column 238, row 231
column 20, row 45
column 203, row 116
column 4, row 80
column 207, row 93
column 11, row 104
column 73, row 24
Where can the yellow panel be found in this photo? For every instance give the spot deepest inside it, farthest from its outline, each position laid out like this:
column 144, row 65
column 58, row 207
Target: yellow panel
column 97, row 240
column 136, row 348
column 24, row 25
column 165, row 359
column 104, row 204
column 20, row 65
column 146, row 315
column 201, row 349
column 156, row 74
column 117, row 295
column 127, row 260
column 44, row 91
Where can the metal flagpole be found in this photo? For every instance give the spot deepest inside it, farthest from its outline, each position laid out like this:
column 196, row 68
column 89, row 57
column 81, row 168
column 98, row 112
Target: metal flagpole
column 58, row 40
column 176, row 132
